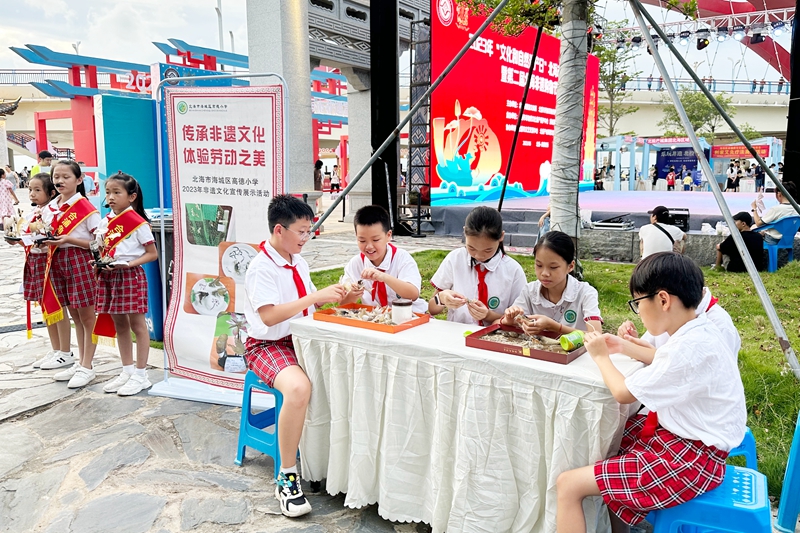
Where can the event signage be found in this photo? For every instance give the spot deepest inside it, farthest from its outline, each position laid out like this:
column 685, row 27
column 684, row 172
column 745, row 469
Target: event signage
column 669, row 140
column 475, row 109
column 739, row 151
column 226, row 159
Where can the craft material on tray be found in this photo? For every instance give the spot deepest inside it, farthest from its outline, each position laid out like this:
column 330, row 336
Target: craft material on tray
column 508, row 339
column 367, row 317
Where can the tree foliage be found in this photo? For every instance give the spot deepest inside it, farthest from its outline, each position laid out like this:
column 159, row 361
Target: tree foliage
column 703, row 116
column 750, row 132
column 615, row 73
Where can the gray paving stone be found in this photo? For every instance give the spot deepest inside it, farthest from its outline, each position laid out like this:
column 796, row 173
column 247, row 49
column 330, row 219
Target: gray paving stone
column 23, row 400
column 71, row 417
column 60, row 523
column 18, row 445
column 123, row 454
column 31, row 495
column 70, row 497
column 200, row 479
column 131, row 512
column 162, row 445
column 205, row 442
column 228, row 511
column 170, row 406
column 21, row 381
column 98, row 439
column 371, row 522
column 324, row 504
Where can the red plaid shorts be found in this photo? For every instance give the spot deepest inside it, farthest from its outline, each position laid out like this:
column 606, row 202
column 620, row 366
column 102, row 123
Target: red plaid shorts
column 33, row 277
column 122, row 292
column 72, row 277
column 268, row 358
column 662, row 471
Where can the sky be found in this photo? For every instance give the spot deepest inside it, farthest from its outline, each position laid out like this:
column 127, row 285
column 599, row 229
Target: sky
column 124, row 30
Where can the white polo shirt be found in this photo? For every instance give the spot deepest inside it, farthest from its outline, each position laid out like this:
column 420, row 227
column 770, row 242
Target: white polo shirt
column 718, row 316
column 578, row 304
column 655, row 240
column 775, row 213
column 694, row 385
column 267, row 282
column 85, row 230
column 505, row 281
column 397, row 263
column 134, row 244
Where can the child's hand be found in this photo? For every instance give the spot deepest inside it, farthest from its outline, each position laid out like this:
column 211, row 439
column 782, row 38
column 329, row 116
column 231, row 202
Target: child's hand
column 595, row 345
column 511, row 313
column 373, row 274
column 332, row 293
column 58, row 240
column 614, row 343
column 639, row 342
column 627, row 328
column 478, row 310
column 451, row 299
column 538, row 324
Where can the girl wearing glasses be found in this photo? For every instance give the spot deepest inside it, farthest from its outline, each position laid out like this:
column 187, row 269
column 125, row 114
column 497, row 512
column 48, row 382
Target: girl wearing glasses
column 556, row 302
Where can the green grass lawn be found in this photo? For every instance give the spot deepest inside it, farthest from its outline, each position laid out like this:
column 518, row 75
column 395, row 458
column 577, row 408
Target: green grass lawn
column 773, row 394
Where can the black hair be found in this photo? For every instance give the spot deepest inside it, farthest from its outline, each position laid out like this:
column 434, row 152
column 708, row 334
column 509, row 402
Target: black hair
column 318, row 164
column 131, row 187
column 484, row 221
column 667, row 271
column 2, row 172
column 790, row 188
column 44, row 154
column 372, row 214
column 285, row 209
column 47, row 184
column 75, row 169
column 558, row 242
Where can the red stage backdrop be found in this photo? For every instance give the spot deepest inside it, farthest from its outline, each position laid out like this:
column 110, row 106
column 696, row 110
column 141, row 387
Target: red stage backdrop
column 474, row 110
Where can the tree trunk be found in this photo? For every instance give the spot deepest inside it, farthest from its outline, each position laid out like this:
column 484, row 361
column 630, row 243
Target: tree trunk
column 568, row 135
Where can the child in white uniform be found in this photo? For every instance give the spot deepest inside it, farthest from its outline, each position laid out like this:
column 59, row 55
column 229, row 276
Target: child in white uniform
column 388, row 272
column 556, row 302
column 478, row 282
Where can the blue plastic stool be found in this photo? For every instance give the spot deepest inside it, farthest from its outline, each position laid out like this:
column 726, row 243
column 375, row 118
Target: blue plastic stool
column 740, row 504
column 790, row 495
column 252, row 426
column 748, row 449
column 787, row 227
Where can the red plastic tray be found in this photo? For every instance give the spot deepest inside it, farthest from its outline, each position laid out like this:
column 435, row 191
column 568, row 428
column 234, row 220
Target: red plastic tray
column 327, row 315
column 475, row 340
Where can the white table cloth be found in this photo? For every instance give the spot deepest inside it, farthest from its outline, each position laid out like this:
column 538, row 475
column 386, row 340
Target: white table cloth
column 460, row 438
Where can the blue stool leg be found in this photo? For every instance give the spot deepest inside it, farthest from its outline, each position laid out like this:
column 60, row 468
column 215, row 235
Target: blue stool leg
column 790, row 494
column 246, row 394
column 773, row 259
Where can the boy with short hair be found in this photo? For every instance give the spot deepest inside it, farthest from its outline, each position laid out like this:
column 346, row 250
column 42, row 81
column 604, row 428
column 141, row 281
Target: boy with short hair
column 278, row 289
column 753, row 240
column 692, row 388
column 389, row 272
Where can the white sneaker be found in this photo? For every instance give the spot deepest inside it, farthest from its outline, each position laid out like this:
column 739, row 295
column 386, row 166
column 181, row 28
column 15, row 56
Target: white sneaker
column 83, row 376
column 115, row 384
column 50, row 355
column 60, row 359
column 290, row 495
column 66, row 375
column 135, row 385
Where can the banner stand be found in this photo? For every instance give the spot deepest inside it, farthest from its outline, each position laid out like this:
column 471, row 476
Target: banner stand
column 195, row 391
column 186, row 389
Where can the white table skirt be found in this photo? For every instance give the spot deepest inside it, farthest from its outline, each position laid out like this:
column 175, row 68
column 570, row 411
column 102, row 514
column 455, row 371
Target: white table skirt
column 460, row 438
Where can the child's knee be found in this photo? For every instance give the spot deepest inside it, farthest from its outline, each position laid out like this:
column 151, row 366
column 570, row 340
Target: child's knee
column 297, row 392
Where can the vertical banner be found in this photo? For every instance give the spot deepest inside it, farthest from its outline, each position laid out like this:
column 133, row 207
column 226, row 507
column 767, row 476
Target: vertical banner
column 475, row 109
column 226, row 163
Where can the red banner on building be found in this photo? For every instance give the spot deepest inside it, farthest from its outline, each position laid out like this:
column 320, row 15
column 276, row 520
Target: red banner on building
column 739, row 151
column 474, row 111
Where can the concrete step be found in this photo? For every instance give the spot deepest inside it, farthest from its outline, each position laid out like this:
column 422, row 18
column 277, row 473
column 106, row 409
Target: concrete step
column 529, row 228
column 518, row 215
column 521, row 239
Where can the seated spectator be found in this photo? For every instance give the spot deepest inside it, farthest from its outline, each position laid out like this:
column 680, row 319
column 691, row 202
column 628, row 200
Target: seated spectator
column 659, row 235
column 753, row 240
column 782, row 210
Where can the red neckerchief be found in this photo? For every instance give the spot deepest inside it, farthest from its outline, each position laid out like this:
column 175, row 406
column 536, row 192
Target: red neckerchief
column 650, row 425
column 483, row 290
column 712, row 303
column 379, row 293
column 298, row 280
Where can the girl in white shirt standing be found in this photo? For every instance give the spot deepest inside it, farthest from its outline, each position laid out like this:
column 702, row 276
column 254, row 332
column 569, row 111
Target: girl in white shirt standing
column 477, row 282
column 127, row 243
column 556, row 302
column 69, row 280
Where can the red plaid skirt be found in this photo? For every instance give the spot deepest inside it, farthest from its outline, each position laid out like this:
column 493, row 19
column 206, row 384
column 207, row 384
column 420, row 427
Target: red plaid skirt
column 122, row 291
column 72, row 277
column 662, row 471
column 33, row 277
column 268, row 358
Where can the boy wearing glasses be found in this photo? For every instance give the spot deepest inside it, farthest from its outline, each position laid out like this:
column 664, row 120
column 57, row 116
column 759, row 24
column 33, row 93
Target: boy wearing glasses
column 389, row 272
column 692, row 388
column 278, row 289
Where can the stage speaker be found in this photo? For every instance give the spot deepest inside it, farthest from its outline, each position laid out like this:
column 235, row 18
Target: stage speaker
column 679, row 217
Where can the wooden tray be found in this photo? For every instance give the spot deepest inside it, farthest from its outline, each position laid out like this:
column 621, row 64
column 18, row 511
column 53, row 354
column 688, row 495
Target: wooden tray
column 328, row 316
column 475, row 341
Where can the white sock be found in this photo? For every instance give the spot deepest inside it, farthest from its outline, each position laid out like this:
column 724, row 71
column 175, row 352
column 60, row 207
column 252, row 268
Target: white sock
column 65, row 353
column 290, row 470
column 140, row 372
column 128, row 369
